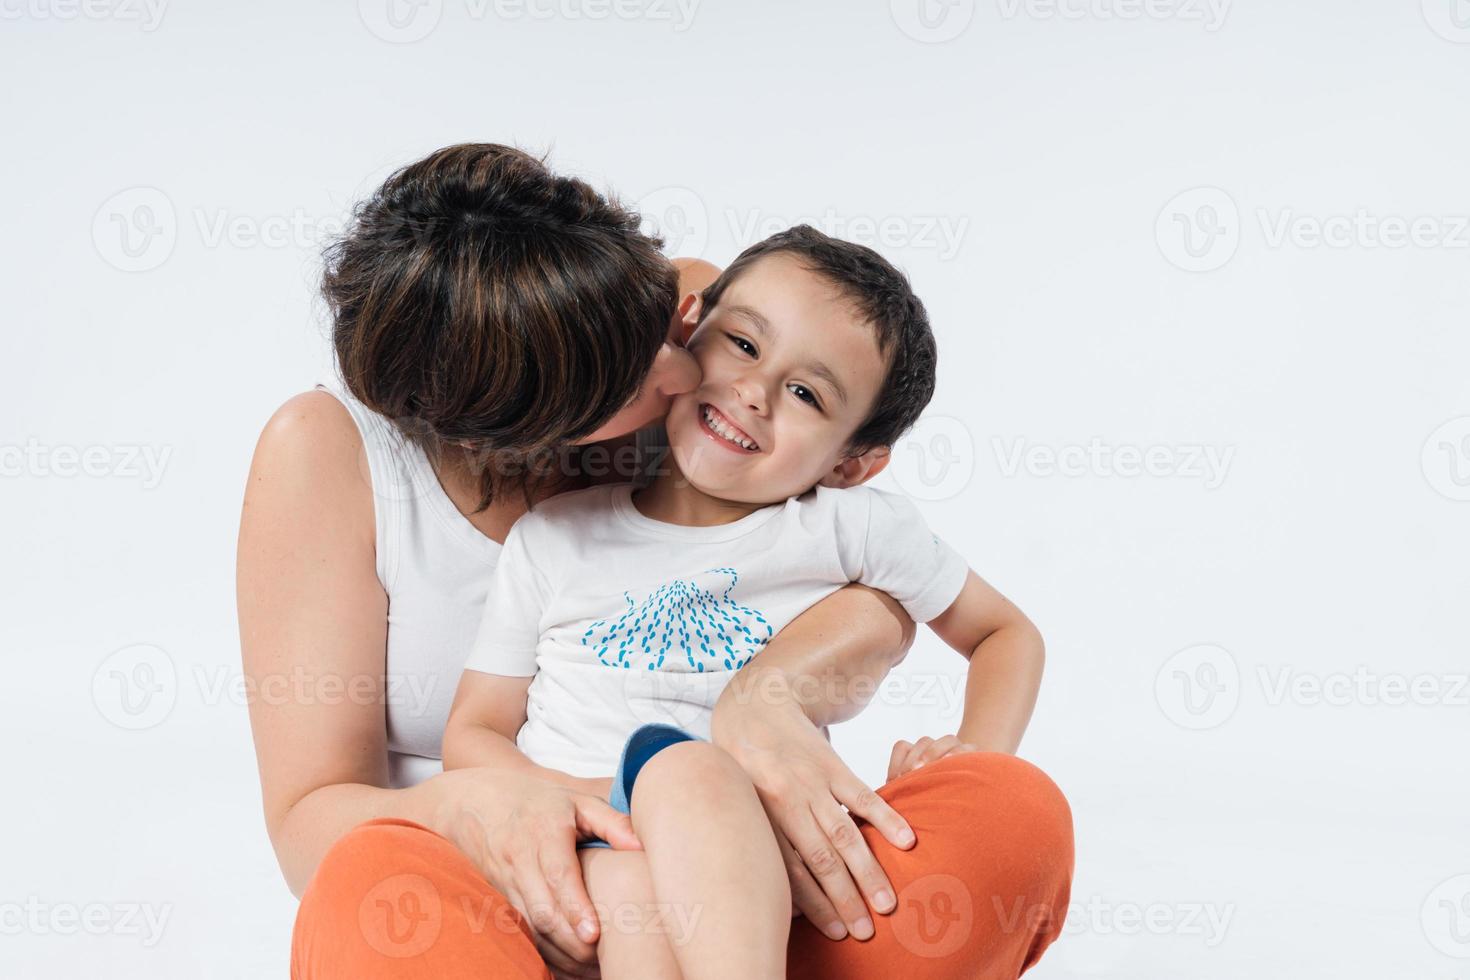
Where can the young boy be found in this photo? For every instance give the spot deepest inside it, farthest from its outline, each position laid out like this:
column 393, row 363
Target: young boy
column 619, row 605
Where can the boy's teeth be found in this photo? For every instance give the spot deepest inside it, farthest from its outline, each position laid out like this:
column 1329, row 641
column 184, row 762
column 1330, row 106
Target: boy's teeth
column 723, row 430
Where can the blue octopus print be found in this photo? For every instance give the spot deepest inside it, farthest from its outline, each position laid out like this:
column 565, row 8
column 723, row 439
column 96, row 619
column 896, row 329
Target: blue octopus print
column 681, row 616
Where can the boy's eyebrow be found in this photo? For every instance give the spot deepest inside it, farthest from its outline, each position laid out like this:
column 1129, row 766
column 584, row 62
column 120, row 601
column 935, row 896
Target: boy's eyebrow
column 817, row 368
column 756, row 318
column 820, row 370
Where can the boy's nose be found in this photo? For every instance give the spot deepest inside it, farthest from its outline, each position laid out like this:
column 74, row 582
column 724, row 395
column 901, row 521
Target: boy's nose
column 751, row 393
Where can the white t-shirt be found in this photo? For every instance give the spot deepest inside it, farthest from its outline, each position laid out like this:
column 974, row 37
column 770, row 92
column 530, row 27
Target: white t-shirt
column 626, row 620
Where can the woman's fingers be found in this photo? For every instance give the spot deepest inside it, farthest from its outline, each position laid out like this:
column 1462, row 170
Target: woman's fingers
column 597, row 818
column 560, row 963
column 824, row 859
column 544, row 911
column 807, row 896
column 563, row 873
column 861, row 800
column 843, row 832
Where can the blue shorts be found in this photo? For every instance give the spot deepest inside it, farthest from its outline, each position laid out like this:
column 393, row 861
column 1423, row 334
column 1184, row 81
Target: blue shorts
column 645, row 743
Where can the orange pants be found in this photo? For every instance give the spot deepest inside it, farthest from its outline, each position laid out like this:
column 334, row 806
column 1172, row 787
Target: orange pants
column 981, row 894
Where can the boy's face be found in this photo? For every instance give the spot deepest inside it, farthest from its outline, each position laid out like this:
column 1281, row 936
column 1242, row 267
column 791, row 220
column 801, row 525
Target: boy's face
column 790, row 371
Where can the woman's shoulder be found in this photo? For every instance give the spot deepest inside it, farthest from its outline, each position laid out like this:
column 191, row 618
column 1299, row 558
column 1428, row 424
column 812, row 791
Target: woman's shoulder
column 311, row 449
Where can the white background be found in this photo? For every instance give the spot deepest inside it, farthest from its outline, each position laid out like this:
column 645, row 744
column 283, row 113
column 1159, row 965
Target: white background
column 170, row 176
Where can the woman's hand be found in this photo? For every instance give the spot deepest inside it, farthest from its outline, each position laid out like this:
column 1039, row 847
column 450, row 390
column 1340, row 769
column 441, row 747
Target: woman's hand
column 908, row 756
column 804, row 785
column 522, row 830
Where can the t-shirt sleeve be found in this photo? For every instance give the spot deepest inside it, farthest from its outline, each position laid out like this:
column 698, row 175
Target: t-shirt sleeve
column 510, row 626
column 886, row 545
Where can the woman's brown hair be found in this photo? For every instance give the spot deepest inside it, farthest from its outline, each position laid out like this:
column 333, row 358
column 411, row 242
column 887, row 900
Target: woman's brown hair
column 481, row 301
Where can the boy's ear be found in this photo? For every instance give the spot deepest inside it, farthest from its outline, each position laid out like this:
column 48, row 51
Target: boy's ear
column 688, row 314
column 852, row 471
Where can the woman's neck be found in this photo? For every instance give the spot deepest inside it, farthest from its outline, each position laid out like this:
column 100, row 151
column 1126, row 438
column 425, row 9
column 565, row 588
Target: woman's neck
column 459, row 473
column 674, row 500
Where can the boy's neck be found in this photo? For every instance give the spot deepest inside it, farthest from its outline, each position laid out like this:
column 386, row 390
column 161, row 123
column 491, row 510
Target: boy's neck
column 674, row 500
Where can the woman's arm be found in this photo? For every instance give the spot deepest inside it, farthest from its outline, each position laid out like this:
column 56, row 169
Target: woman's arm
column 822, row 668
column 309, row 600
column 310, row 605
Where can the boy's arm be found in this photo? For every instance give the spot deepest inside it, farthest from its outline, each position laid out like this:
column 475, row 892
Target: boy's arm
column 1006, row 656
column 487, row 713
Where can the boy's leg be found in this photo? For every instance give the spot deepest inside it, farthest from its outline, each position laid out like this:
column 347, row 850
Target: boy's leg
column 982, row 893
column 634, row 944
column 717, row 870
column 394, row 899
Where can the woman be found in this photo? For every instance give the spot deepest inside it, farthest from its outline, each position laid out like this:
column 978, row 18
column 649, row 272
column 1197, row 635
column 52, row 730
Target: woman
column 496, row 326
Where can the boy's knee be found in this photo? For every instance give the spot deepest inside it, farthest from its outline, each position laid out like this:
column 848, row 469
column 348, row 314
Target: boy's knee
column 693, row 770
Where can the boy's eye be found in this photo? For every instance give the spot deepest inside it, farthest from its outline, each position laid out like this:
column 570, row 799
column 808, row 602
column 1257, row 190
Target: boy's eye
column 743, row 344
column 805, row 394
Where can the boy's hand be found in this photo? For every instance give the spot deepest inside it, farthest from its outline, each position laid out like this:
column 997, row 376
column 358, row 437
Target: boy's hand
column 909, row 756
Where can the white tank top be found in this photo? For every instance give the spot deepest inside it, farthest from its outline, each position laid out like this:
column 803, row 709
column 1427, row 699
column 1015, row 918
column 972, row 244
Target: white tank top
column 435, row 567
